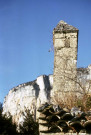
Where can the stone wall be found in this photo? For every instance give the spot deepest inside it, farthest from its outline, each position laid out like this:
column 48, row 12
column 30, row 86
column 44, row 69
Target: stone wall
column 65, row 58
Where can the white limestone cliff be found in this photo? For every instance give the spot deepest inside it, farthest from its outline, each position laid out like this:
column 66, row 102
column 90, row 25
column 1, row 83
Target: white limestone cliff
column 27, row 96
column 31, row 95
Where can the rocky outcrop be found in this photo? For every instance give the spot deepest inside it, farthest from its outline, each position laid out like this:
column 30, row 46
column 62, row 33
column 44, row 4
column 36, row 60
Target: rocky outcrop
column 29, row 95
column 84, row 79
column 33, row 94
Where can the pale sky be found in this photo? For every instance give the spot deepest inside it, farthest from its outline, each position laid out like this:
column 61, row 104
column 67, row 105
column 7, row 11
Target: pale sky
column 26, row 36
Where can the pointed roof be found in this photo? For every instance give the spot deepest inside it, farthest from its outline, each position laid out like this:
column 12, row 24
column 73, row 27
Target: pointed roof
column 63, row 27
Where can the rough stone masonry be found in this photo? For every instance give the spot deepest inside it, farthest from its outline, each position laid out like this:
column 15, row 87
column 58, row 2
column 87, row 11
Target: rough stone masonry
column 65, row 39
column 31, row 95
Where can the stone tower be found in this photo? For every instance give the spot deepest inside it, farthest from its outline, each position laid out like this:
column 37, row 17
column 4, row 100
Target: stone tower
column 65, row 39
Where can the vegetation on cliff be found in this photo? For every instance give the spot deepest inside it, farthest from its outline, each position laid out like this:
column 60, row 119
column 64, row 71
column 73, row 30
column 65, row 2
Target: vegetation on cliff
column 7, row 127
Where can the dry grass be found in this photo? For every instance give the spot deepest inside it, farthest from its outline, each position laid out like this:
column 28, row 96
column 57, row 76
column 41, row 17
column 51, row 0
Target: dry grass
column 84, row 102
column 69, row 100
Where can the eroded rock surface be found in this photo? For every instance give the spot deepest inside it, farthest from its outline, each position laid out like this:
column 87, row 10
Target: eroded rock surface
column 29, row 95
column 33, row 94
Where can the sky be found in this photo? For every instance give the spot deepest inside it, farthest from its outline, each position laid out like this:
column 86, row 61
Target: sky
column 26, row 28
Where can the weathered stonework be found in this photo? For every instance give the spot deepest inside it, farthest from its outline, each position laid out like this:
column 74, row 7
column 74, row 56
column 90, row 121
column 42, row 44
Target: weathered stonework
column 65, row 58
column 66, row 78
column 33, row 94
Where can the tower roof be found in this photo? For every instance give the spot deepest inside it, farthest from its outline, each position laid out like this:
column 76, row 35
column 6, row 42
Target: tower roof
column 64, row 27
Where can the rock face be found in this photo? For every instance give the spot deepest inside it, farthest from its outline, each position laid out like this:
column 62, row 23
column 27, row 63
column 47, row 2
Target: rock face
column 32, row 94
column 84, row 79
column 65, row 59
column 29, row 95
